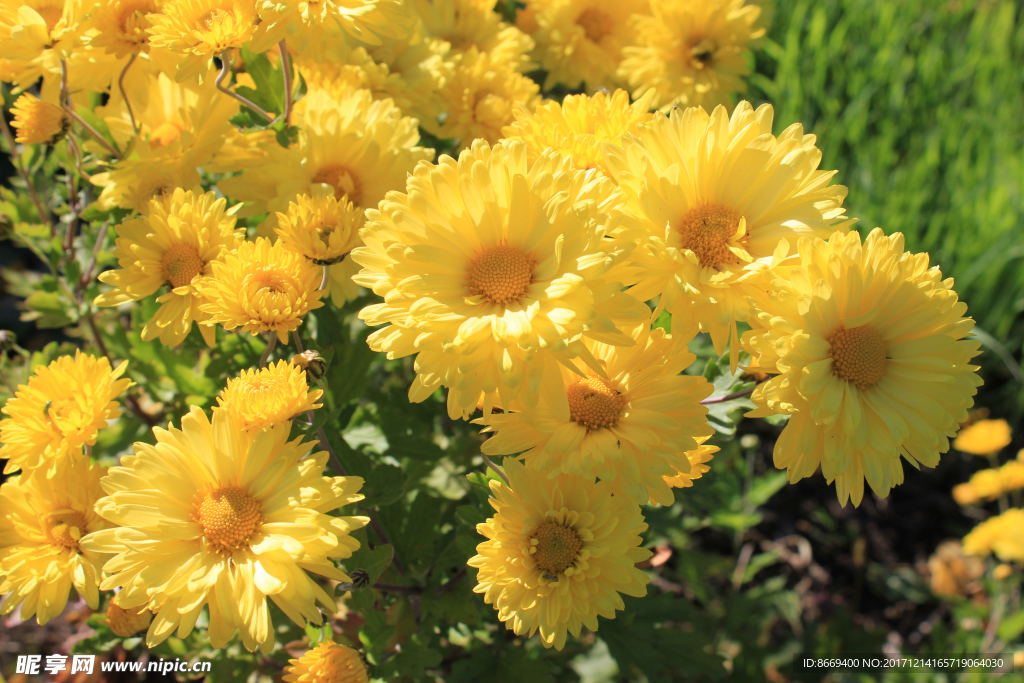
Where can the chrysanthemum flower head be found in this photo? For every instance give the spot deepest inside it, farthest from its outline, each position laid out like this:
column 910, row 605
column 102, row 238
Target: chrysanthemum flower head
column 122, row 26
column 215, row 516
column 38, row 122
column 632, row 428
column 474, row 25
column 1002, row 535
column 579, row 125
column 127, row 622
column 692, row 53
column 320, row 227
column 328, row 662
column 41, row 525
column 559, row 552
column 580, row 41
column 983, row 437
column 174, row 245
column 262, row 287
column 481, row 97
column 59, row 412
column 717, row 201
column 135, row 182
column 258, row 399
column 990, row 483
column 867, row 346
column 491, row 269
column 30, row 30
column 312, row 28
column 199, row 30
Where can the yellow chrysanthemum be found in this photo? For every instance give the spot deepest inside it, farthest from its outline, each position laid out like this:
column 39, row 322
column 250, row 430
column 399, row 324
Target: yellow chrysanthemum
column 59, row 412
column 321, row 228
column 717, row 202
column 262, row 398
column 481, row 97
column 559, row 552
column 632, row 429
column 315, row 26
column 580, row 41
column 350, row 146
column 473, row 25
column 174, row 245
column 991, row 483
column 692, row 53
column 492, row 269
column 33, row 30
column 983, row 437
column 328, row 662
column 262, row 287
column 213, row 516
column 38, row 122
column 952, row 573
column 1002, row 535
column 872, row 365
column 42, row 521
column 122, row 26
column 578, row 126
column 199, row 30
column 697, row 457
column 135, row 182
column 127, row 622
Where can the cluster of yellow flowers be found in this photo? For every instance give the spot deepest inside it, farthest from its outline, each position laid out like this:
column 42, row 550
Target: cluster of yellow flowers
column 518, row 274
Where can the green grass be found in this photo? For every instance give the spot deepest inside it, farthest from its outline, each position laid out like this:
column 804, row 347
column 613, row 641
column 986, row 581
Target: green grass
column 920, row 106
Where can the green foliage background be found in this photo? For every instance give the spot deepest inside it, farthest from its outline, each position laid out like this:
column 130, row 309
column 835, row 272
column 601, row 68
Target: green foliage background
column 920, row 106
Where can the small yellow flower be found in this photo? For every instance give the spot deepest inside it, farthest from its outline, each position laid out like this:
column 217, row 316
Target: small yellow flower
column 1002, row 572
column 42, row 521
column 262, row 287
column 559, row 552
column 1002, row 535
column 318, row 27
column 35, row 31
column 199, row 30
column 174, row 246
column 474, row 25
column 257, row 399
column 328, row 662
column 991, row 483
column 122, row 26
column 983, row 437
column 38, row 122
column 321, row 228
column 59, row 412
column 127, row 622
column 134, row 182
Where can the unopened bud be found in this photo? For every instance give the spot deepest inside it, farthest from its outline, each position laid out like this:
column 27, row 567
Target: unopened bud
column 127, row 622
column 8, row 340
column 312, row 362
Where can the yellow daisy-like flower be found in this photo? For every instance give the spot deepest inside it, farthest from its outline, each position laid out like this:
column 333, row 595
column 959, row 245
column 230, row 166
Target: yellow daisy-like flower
column 983, row 437
column 35, row 30
column 262, row 287
column 127, row 622
column 1002, row 535
column 481, row 97
column 199, row 30
column 474, row 25
column 717, row 202
column 867, row 343
column 38, row 122
column 321, row 228
column 692, row 53
column 42, row 521
column 991, row 483
column 491, row 270
column 262, row 398
column 214, row 516
column 314, row 26
column 632, row 428
column 122, row 26
column 328, row 662
column 135, row 182
column 174, row 245
column 559, row 552
column 580, row 41
column 59, row 412
column 579, row 125
column 697, row 457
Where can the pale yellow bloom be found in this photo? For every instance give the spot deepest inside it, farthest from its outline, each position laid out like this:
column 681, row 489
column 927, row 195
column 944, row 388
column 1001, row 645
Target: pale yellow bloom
column 328, row 662
column 38, row 122
column 321, row 228
column 1002, row 536
column 983, row 437
column 199, row 30
column 991, row 483
column 269, row 396
column 474, row 25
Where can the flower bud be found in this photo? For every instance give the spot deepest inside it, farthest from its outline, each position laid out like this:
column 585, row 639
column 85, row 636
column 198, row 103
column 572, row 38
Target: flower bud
column 312, row 362
column 127, row 622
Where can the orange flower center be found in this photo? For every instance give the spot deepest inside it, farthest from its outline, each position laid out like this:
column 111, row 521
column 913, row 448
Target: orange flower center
column 229, row 518
column 706, row 231
column 594, row 403
column 596, row 24
column 181, row 263
column 858, row 355
column 51, row 14
column 702, row 52
column 213, row 18
column 554, row 547
column 343, row 182
column 65, row 528
column 165, row 134
column 501, row 275
column 134, row 22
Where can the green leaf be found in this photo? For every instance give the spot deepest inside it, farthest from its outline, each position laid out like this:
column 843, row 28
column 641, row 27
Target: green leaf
column 1012, row 627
